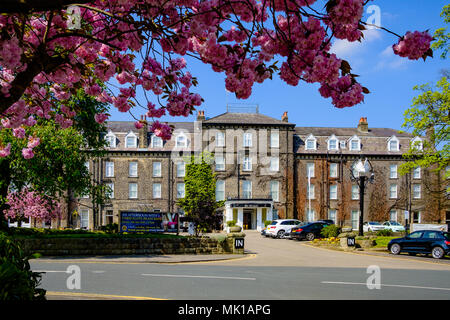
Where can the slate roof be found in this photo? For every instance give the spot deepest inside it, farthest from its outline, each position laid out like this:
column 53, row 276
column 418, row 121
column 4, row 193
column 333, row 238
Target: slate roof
column 328, row 131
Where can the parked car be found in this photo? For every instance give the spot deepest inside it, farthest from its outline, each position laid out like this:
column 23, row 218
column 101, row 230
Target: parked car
column 287, row 234
column 436, row 243
column 372, row 226
column 278, row 228
column 327, row 221
column 309, row 231
column 394, row 226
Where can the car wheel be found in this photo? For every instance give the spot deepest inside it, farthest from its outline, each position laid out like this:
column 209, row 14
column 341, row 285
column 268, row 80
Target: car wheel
column 310, row 236
column 280, row 234
column 437, row 252
column 395, row 248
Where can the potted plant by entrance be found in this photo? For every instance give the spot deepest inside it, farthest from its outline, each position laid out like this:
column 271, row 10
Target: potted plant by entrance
column 232, row 227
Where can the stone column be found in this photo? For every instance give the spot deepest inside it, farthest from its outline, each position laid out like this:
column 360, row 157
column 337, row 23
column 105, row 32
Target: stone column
column 259, row 222
column 228, row 215
column 240, row 219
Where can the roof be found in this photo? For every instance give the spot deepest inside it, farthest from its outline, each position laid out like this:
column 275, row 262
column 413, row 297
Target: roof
column 329, row 131
column 127, row 126
column 245, row 118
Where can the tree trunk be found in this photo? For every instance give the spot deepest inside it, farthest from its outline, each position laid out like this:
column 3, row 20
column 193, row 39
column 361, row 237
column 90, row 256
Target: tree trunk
column 5, row 179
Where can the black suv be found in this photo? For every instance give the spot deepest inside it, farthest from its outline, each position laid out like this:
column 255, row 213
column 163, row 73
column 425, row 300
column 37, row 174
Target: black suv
column 436, row 243
column 309, row 231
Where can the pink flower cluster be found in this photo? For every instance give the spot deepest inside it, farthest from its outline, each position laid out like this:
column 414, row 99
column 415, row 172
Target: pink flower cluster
column 240, row 39
column 31, row 204
column 162, row 130
column 413, row 45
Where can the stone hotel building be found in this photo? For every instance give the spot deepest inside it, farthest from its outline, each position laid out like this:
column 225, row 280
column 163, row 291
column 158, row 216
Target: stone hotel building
column 266, row 169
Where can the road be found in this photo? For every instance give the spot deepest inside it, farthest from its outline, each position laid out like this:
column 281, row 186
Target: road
column 274, row 269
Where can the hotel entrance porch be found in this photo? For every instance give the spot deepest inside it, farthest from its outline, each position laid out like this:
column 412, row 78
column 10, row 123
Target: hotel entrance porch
column 250, row 214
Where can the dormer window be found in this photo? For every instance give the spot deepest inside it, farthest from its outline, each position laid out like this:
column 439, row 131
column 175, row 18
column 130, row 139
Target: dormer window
column 111, row 139
column 355, row 143
column 181, row 141
column 131, row 140
column 156, row 142
column 333, row 143
column 393, row 144
column 417, row 144
column 310, row 143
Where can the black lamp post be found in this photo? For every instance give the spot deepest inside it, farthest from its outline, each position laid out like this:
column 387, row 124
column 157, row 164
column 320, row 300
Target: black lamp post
column 362, row 173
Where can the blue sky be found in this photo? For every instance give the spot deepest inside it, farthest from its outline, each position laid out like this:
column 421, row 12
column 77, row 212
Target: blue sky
column 389, row 78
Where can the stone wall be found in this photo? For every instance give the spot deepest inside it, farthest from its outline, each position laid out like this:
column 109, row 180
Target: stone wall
column 130, row 246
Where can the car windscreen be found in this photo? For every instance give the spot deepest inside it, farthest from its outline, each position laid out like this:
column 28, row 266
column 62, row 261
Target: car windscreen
column 374, row 223
column 273, row 223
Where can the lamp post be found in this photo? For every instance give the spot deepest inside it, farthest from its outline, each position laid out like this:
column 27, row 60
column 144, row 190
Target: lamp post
column 362, row 173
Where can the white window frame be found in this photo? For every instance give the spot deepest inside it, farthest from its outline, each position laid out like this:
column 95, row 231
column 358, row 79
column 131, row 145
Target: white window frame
column 111, row 193
column 157, row 172
column 393, row 191
column 156, row 142
column 109, row 169
column 220, row 139
column 333, row 192
column 84, row 216
column 156, row 190
column 111, row 138
column 417, row 173
column 355, row 192
column 220, row 190
column 133, row 169
column 354, row 221
column 219, row 161
column 310, row 215
column 333, row 138
column 332, row 215
column 274, row 139
column 419, row 146
column 274, row 164
column 247, row 140
column 393, row 213
column 247, row 165
column 334, row 170
column 181, row 169
column 393, row 139
column 132, row 135
column 247, row 189
column 353, row 139
column 313, row 140
column 132, row 192
column 393, row 171
column 275, row 190
column 417, row 191
column 181, row 143
column 181, row 191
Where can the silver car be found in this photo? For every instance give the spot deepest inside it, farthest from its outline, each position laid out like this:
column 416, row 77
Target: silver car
column 278, row 228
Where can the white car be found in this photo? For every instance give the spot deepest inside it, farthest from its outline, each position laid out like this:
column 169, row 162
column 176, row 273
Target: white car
column 372, row 226
column 278, row 228
column 394, row 226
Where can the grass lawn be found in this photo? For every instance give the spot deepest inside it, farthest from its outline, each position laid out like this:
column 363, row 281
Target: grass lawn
column 382, row 242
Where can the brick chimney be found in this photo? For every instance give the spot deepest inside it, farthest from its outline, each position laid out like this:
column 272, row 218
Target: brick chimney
column 363, row 126
column 284, row 117
column 143, row 133
column 201, row 115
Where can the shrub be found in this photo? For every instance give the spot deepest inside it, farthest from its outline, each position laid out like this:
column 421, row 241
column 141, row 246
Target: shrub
column 267, row 222
column 331, row 231
column 17, row 281
column 231, row 223
column 385, row 233
column 110, row 228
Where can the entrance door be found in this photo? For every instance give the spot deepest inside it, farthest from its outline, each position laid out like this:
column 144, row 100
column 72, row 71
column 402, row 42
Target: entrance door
column 248, row 219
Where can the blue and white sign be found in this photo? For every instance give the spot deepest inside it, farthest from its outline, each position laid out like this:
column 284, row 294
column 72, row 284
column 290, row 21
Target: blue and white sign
column 133, row 222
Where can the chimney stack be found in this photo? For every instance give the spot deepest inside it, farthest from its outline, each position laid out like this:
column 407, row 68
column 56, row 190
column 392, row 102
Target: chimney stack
column 143, row 133
column 363, row 126
column 284, row 118
column 201, row 115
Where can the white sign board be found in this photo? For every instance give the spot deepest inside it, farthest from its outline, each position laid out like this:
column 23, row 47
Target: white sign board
column 436, row 227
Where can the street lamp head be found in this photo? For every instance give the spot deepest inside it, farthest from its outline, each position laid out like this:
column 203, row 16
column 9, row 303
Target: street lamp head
column 361, row 168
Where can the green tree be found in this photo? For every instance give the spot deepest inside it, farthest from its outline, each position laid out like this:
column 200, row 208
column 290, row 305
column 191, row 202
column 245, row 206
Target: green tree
column 441, row 35
column 200, row 203
column 430, row 117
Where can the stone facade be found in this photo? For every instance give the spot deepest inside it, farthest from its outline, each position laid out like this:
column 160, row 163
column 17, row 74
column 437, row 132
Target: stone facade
column 261, row 158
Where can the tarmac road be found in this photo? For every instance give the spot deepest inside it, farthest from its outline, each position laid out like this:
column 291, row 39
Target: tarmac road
column 273, row 269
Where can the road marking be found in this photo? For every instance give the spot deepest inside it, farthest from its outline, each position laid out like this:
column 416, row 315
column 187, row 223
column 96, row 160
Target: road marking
column 97, row 295
column 191, row 276
column 387, row 285
column 50, row 271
